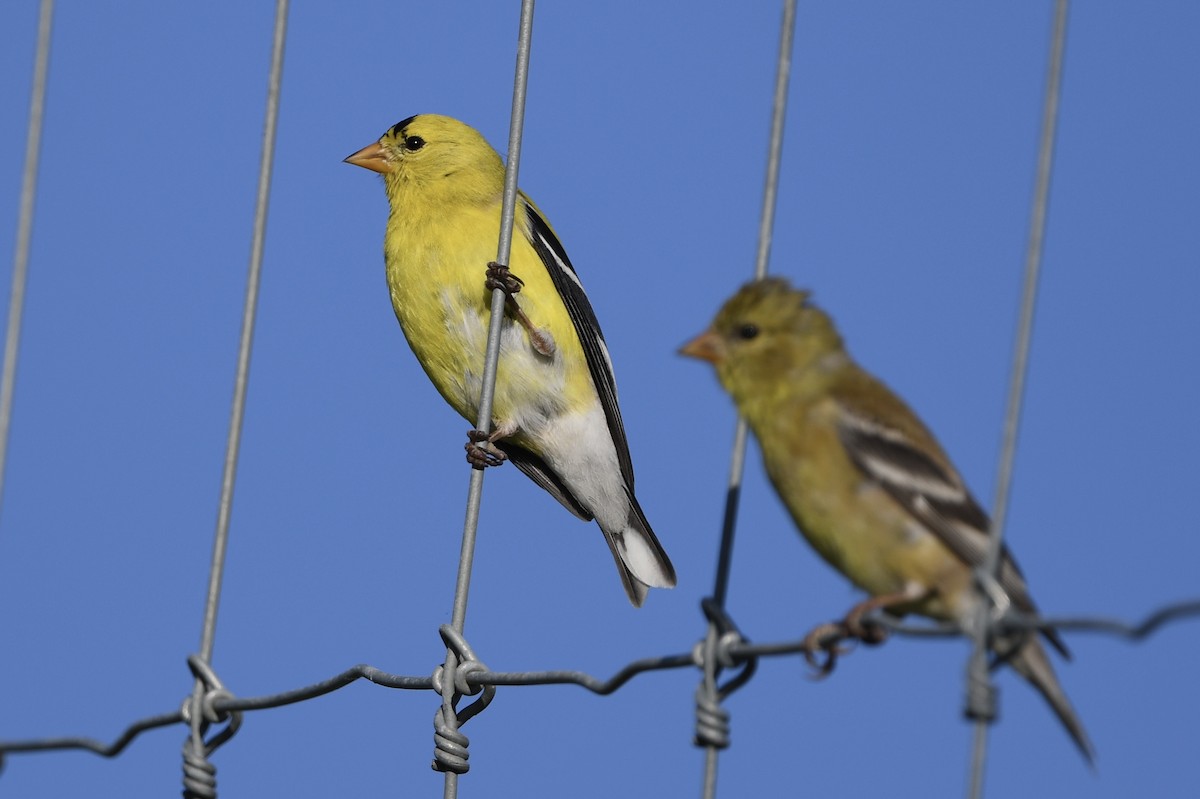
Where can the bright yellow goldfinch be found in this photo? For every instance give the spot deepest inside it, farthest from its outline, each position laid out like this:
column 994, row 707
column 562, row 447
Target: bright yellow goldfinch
column 555, row 413
column 864, row 480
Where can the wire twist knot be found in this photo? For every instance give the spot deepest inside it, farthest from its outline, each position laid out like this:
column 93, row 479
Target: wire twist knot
column 200, row 711
column 720, row 651
column 989, row 632
column 199, row 775
column 450, row 751
column 462, row 674
column 712, row 720
column 713, row 654
column 449, row 744
column 981, row 696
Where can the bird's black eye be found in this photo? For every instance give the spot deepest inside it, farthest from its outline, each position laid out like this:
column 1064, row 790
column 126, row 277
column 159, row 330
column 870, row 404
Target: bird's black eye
column 747, row 331
column 413, row 143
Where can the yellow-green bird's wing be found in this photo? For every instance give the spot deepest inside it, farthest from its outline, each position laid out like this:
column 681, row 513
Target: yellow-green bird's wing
column 911, row 468
column 904, row 459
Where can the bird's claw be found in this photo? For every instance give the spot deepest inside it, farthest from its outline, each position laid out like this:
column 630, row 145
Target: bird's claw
column 481, row 451
column 824, row 639
column 498, row 277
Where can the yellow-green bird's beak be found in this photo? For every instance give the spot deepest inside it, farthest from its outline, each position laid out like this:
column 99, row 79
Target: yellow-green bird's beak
column 371, row 157
column 707, row 346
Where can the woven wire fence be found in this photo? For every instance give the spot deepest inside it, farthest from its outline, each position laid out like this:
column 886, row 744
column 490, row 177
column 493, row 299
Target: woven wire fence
column 723, row 660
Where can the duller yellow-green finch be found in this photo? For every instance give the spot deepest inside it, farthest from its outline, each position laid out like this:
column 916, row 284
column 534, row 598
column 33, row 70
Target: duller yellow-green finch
column 555, row 413
column 863, row 478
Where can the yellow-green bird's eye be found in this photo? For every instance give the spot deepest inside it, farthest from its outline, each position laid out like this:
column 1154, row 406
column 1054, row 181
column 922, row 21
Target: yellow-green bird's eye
column 748, row 331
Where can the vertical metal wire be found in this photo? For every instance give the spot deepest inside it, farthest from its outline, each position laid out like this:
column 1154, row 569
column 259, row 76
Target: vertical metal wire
column 484, row 419
column 16, row 300
column 783, row 72
column 765, row 230
column 978, row 668
column 503, row 248
column 737, row 463
column 241, row 380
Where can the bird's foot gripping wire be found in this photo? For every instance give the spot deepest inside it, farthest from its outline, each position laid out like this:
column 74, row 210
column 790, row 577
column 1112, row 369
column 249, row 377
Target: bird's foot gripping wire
column 200, row 711
column 714, row 653
column 451, row 681
column 824, row 643
column 482, row 452
column 499, row 277
column 823, row 647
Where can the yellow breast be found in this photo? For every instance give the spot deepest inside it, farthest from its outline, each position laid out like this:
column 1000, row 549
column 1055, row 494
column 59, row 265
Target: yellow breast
column 436, row 271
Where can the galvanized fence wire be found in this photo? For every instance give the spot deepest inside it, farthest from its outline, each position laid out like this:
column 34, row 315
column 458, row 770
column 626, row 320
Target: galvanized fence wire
column 712, row 720
column 737, row 653
column 20, row 276
column 980, row 702
column 463, row 673
column 450, row 750
column 199, row 775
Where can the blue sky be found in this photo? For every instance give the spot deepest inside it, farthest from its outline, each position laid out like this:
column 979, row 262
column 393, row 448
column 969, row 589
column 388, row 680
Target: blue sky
column 907, row 175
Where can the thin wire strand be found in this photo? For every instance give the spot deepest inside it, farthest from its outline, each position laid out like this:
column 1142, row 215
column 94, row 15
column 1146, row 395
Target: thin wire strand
column 1033, row 264
column 491, row 360
column 766, row 226
column 738, row 454
column 978, row 669
column 195, row 748
column 762, row 258
column 16, row 300
column 740, row 652
column 503, row 250
column 783, row 72
column 241, row 380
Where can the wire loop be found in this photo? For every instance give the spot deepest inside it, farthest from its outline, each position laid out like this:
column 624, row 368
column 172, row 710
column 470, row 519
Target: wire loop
column 214, row 692
column 716, row 652
column 199, row 775
column 724, row 653
column 982, row 694
column 450, row 745
column 712, row 720
column 200, row 711
column 990, row 589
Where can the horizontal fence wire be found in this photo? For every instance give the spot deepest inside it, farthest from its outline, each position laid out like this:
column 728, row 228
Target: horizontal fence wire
column 735, row 653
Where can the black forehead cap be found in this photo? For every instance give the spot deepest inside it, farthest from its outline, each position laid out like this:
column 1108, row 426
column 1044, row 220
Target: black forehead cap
column 401, row 125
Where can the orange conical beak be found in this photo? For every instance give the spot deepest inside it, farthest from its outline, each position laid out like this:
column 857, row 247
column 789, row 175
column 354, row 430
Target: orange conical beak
column 707, row 346
column 371, row 157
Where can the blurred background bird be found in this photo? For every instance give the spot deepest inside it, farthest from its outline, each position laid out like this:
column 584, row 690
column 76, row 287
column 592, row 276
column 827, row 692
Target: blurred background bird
column 555, row 413
column 865, row 481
